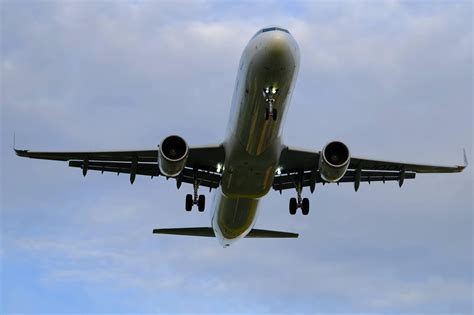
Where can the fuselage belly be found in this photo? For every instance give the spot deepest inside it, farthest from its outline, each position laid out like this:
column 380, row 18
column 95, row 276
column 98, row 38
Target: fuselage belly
column 270, row 64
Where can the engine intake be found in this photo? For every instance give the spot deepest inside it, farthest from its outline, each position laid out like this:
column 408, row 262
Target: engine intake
column 334, row 161
column 172, row 155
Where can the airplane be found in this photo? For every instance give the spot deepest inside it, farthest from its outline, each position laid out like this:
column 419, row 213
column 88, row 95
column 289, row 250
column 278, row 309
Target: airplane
column 252, row 159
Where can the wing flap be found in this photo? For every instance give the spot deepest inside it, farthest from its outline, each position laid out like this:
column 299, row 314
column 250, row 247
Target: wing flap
column 288, row 181
column 206, row 179
column 147, row 169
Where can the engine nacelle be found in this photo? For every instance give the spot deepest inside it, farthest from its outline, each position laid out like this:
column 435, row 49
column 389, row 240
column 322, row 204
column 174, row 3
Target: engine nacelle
column 334, row 161
column 172, row 156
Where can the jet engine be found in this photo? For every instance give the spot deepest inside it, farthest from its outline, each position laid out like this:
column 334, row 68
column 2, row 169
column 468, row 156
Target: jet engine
column 334, row 161
column 172, row 155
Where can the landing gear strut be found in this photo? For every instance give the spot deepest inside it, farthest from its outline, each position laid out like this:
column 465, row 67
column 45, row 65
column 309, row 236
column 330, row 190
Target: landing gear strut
column 195, row 198
column 269, row 93
column 299, row 202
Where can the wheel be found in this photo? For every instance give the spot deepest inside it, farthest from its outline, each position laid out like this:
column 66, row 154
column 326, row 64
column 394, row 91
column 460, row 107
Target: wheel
column 293, row 206
column 189, row 202
column 267, row 114
column 274, row 114
column 305, row 206
column 201, row 203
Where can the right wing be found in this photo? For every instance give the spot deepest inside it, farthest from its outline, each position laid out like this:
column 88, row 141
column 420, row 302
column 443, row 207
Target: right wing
column 300, row 167
column 201, row 163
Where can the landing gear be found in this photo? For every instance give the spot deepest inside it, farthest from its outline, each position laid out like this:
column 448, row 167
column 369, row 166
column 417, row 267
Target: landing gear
column 299, row 202
column 269, row 94
column 293, row 206
column 269, row 114
column 201, row 203
column 195, row 199
column 189, row 202
column 305, row 206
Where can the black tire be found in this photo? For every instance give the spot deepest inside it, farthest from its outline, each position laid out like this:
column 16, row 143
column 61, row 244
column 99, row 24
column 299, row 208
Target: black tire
column 189, row 202
column 274, row 114
column 305, row 206
column 201, row 203
column 267, row 114
column 293, row 206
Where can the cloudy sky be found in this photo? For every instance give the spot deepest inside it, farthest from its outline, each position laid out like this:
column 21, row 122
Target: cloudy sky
column 391, row 79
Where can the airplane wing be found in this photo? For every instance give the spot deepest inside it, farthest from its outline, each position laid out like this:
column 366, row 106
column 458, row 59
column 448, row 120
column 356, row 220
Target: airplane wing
column 300, row 167
column 201, row 162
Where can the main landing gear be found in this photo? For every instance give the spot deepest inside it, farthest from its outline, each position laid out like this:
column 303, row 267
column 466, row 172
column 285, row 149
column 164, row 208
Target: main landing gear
column 299, row 202
column 269, row 94
column 195, row 198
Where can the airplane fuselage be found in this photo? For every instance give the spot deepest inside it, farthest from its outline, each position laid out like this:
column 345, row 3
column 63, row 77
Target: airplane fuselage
column 267, row 73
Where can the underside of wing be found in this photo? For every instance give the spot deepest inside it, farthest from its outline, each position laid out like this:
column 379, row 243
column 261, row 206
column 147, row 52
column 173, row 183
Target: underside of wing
column 290, row 181
column 301, row 168
column 206, row 178
column 380, row 165
column 201, row 163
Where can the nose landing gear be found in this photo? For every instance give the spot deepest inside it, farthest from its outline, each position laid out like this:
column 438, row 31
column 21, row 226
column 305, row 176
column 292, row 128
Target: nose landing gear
column 269, row 94
column 270, row 112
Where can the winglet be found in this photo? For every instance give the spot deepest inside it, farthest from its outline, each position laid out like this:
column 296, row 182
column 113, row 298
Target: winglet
column 461, row 168
column 466, row 163
column 14, row 144
column 17, row 151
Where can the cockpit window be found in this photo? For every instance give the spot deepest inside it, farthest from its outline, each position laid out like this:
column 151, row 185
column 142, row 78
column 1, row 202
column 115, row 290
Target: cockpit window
column 269, row 29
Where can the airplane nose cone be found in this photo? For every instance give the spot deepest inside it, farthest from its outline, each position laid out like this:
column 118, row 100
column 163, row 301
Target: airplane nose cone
column 277, row 44
column 279, row 48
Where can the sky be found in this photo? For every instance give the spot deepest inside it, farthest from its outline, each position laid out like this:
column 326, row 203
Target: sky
column 392, row 79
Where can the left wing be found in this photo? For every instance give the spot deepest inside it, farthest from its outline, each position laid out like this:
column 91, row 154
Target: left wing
column 300, row 167
column 201, row 163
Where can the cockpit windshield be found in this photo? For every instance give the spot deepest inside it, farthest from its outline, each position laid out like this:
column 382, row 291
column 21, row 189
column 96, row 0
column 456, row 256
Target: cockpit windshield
column 269, row 29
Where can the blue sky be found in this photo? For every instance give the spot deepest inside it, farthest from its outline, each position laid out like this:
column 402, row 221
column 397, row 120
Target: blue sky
column 393, row 80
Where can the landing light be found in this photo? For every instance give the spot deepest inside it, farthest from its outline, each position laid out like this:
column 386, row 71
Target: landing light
column 274, row 90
